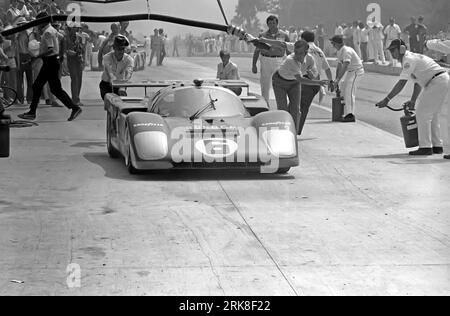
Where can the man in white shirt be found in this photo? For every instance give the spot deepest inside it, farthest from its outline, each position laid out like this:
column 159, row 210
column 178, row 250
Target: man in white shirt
column 364, row 41
column 357, row 38
column 350, row 66
column 117, row 66
column 432, row 83
column 377, row 42
column 442, row 46
column 392, row 32
column 227, row 70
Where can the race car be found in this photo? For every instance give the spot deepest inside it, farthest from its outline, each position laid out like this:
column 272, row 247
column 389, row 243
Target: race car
column 200, row 124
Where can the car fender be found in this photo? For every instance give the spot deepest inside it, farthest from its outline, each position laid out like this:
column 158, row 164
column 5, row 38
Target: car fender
column 149, row 135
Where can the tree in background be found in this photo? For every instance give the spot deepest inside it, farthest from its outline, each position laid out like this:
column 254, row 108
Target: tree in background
column 246, row 15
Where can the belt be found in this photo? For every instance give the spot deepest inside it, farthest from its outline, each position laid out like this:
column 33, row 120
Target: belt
column 281, row 77
column 435, row 76
column 272, row 56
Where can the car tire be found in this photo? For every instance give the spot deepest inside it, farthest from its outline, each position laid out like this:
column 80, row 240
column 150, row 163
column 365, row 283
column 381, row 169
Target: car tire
column 128, row 162
column 283, row 170
column 112, row 152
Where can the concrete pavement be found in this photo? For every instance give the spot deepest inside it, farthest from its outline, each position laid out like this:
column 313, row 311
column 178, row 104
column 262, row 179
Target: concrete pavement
column 358, row 217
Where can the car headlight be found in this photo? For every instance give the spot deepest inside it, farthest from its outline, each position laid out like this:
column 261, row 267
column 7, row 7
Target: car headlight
column 151, row 145
column 281, row 142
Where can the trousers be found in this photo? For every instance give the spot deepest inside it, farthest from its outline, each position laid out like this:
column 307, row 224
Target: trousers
column 428, row 110
column 49, row 73
column 349, row 87
column 308, row 95
column 268, row 67
column 76, row 67
column 288, row 88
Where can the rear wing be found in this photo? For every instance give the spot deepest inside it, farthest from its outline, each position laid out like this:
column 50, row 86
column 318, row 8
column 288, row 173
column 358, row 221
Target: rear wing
column 180, row 83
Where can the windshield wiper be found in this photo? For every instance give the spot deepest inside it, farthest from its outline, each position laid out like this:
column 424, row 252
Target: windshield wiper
column 208, row 107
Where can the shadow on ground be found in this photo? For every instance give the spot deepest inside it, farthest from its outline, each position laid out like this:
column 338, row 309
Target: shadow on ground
column 115, row 169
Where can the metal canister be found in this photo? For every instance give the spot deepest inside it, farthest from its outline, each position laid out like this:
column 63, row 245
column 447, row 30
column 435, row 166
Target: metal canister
column 5, row 122
column 337, row 107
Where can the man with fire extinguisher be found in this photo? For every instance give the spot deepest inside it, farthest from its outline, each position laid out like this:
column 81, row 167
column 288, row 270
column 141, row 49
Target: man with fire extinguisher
column 442, row 46
column 432, row 83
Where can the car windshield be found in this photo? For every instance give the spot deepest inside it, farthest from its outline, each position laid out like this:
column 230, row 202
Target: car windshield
column 185, row 102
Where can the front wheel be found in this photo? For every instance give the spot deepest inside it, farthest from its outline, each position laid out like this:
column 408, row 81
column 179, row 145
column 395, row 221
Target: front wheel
column 283, row 170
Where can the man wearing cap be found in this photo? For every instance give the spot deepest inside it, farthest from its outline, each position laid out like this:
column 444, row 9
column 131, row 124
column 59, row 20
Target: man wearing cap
column 117, row 66
column 24, row 63
column 270, row 59
column 49, row 52
column 432, row 83
column 350, row 66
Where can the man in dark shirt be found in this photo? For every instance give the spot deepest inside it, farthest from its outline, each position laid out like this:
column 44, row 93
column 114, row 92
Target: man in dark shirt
column 49, row 52
column 270, row 59
column 413, row 32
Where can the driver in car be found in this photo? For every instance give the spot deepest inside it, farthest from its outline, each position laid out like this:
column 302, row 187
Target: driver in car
column 117, row 66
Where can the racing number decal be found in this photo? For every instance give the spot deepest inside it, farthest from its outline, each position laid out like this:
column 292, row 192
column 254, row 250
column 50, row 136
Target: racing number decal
column 216, row 147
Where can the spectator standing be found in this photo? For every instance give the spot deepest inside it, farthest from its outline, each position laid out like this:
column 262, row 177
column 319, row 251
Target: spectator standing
column 423, row 30
column 364, row 41
column 413, row 32
column 156, row 47
column 176, row 39
column 378, row 39
column 392, row 32
column 25, row 68
column 163, row 40
column 348, row 35
column 13, row 12
column 357, row 38
column 320, row 36
column 271, row 59
column 293, row 35
column 49, row 52
column 75, row 61
column 350, row 66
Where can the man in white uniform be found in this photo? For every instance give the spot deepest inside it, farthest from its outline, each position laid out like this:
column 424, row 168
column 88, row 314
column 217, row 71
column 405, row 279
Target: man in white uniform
column 350, row 66
column 271, row 59
column 443, row 46
column 432, row 83
column 392, row 32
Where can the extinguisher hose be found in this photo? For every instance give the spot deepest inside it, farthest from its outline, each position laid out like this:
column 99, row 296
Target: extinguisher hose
column 22, row 124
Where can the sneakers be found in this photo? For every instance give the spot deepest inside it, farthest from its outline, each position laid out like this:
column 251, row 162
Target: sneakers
column 438, row 150
column 350, row 118
column 422, row 152
column 27, row 116
column 75, row 113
